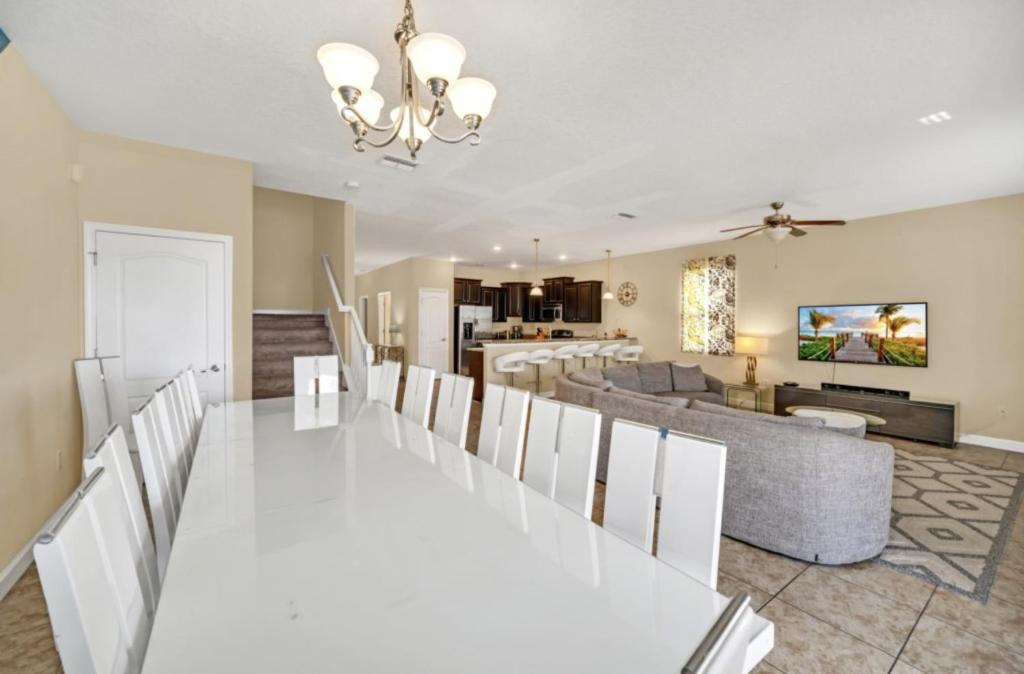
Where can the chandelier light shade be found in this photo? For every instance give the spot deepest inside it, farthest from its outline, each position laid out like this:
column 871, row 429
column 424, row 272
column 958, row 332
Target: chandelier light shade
column 472, row 96
column 777, row 234
column 368, row 106
column 608, row 278
column 346, row 65
column 436, row 56
column 433, row 59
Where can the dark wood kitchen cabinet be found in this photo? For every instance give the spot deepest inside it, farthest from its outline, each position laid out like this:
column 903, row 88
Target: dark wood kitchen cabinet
column 586, row 298
column 518, row 293
column 497, row 299
column 569, row 302
column 554, row 288
column 467, row 291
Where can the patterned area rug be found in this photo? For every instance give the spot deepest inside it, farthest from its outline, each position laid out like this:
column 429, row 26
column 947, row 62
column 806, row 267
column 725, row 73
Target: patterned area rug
column 950, row 521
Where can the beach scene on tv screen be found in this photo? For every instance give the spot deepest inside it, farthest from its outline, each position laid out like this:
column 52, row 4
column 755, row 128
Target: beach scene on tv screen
column 883, row 334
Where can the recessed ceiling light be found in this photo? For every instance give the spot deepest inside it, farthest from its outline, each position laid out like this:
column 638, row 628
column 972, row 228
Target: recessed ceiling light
column 352, row 185
column 453, row 259
column 626, row 216
column 514, row 265
column 563, row 257
column 496, row 249
column 936, row 118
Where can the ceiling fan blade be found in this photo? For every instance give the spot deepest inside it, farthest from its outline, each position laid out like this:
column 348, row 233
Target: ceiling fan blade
column 735, row 229
column 796, row 231
column 746, row 234
column 818, row 222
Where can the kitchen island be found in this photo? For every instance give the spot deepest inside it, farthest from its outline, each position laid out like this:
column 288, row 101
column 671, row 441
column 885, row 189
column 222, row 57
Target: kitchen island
column 481, row 361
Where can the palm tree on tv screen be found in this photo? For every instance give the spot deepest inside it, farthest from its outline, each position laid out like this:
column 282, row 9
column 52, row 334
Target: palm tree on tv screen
column 818, row 320
column 885, row 314
column 897, row 323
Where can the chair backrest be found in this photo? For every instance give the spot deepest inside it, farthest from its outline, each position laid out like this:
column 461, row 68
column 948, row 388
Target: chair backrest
column 112, row 455
column 117, row 394
column 629, row 352
column 158, row 471
column 629, row 499
column 96, row 604
column 587, row 350
column 567, row 351
column 183, row 414
column 579, row 435
column 173, row 444
column 387, row 375
column 79, row 600
column 608, row 349
column 419, row 392
column 454, row 399
column 315, row 374
column 692, row 491
column 512, row 435
column 542, row 446
column 511, row 361
column 193, row 390
column 490, row 423
column 92, row 397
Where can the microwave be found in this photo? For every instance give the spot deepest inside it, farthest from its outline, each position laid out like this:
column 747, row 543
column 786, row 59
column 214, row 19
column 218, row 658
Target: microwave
column 550, row 312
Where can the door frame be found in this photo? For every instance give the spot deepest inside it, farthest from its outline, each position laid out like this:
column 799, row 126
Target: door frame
column 446, row 322
column 89, row 231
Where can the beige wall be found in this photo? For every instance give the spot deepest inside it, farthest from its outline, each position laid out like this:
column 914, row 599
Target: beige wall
column 965, row 260
column 41, row 305
column 334, row 234
column 284, row 260
column 128, row 182
column 404, row 280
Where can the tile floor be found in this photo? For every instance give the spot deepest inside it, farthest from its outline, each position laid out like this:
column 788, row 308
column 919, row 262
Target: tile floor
column 857, row 618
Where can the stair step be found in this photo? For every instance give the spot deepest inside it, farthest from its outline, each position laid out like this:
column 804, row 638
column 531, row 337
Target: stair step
column 270, row 320
column 276, row 334
column 272, row 365
column 290, row 349
column 272, row 387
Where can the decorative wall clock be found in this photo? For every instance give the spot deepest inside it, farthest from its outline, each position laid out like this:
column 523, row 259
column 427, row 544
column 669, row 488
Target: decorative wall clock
column 627, row 293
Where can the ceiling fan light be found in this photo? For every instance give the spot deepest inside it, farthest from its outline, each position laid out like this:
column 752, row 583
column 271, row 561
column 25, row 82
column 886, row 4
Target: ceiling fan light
column 777, row 234
column 369, row 106
column 436, row 56
column 346, row 65
column 421, row 132
column 472, row 96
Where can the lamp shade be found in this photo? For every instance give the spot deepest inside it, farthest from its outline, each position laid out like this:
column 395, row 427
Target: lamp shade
column 436, row 55
column 346, row 65
column 421, row 132
column 369, row 106
column 472, row 96
column 752, row 346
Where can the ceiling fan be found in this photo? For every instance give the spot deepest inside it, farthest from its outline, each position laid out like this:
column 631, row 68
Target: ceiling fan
column 778, row 226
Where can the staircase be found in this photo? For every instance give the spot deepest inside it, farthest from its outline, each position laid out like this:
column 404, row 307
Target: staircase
column 276, row 340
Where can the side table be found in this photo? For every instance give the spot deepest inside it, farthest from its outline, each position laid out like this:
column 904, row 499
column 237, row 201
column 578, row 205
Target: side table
column 737, row 387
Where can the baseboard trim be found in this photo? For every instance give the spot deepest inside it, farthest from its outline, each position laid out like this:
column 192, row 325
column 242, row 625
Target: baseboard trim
column 994, row 443
column 289, row 312
column 17, row 567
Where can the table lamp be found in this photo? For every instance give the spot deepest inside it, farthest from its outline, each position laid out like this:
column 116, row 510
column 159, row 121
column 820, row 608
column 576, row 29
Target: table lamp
column 751, row 347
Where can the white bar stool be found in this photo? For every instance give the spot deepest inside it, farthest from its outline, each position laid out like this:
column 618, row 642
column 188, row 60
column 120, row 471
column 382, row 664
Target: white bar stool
column 510, row 363
column 565, row 353
column 587, row 351
column 629, row 353
column 608, row 350
column 536, row 359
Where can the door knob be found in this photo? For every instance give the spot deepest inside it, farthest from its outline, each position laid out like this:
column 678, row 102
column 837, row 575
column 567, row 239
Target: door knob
column 212, row 368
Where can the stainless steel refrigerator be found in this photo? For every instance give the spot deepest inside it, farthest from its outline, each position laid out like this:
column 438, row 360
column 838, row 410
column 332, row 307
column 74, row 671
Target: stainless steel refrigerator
column 472, row 323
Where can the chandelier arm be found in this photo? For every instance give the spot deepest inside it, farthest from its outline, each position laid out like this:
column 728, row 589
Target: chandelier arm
column 348, row 109
column 471, row 135
column 390, row 139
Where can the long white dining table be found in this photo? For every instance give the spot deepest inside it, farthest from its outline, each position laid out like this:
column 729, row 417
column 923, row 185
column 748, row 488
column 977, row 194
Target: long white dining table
column 332, row 534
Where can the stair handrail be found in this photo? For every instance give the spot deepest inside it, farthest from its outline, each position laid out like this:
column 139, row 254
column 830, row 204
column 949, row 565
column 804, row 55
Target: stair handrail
column 357, row 371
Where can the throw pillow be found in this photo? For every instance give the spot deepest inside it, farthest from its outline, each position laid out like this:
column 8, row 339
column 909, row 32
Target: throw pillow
column 688, row 378
column 655, row 377
column 589, row 380
column 807, row 422
column 624, row 377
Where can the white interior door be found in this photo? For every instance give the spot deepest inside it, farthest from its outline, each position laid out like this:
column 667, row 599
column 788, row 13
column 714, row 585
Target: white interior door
column 433, row 333
column 162, row 301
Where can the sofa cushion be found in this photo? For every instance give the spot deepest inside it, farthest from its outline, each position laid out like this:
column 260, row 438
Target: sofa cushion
column 702, row 406
column 655, row 377
column 674, row 402
column 588, row 379
column 688, row 378
column 624, row 377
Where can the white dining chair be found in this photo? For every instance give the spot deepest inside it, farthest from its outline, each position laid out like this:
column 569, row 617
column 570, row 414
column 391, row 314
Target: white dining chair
column 454, row 400
column 387, row 391
column 542, row 446
column 163, row 503
column 629, row 499
column 111, row 454
column 607, row 351
column 176, row 408
column 503, row 428
column 579, row 435
column 692, row 492
column 418, row 394
column 183, row 409
column 172, row 442
column 92, row 398
column 316, row 374
column 73, row 570
column 194, row 396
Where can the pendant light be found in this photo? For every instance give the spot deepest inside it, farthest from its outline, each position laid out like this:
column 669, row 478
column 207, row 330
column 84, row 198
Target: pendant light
column 608, row 278
column 537, row 290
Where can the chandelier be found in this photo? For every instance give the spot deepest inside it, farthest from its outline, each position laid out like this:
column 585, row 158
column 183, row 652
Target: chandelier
column 433, row 58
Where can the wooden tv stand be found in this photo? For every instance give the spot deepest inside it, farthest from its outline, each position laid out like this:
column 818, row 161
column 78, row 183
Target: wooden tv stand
column 921, row 420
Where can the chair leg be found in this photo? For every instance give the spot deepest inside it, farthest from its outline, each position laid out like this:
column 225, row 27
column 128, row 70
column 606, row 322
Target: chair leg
column 510, row 378
column 536, row 377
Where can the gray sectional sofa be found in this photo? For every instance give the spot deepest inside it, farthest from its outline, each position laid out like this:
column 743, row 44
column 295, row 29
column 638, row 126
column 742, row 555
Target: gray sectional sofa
column 791, row 485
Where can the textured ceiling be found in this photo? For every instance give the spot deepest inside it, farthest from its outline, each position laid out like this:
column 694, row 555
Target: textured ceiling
column 692, row 115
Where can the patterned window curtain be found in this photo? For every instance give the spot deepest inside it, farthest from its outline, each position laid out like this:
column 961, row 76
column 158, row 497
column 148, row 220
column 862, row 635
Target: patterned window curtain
column 708, row 306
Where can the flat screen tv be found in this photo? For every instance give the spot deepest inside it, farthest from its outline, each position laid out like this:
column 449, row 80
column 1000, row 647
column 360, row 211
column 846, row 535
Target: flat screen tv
column 876, row 334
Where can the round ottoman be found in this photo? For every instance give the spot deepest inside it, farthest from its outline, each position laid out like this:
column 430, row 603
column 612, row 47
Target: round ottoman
column 841, row 422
